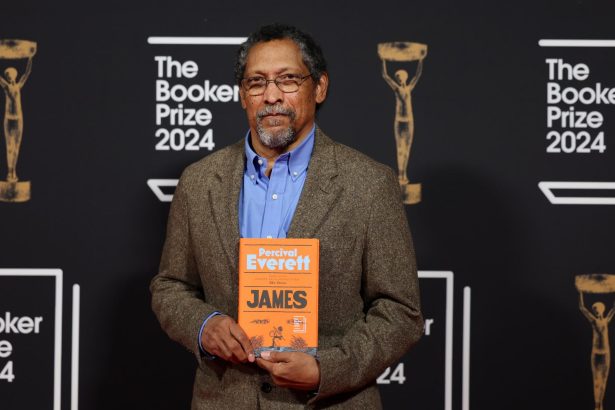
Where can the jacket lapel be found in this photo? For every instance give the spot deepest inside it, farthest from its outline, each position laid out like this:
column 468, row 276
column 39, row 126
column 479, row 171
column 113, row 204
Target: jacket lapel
column 317, row 198
column 319, row 192
column 224, row 198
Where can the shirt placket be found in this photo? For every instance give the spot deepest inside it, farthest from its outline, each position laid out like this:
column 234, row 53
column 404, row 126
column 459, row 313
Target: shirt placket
column 272, row 218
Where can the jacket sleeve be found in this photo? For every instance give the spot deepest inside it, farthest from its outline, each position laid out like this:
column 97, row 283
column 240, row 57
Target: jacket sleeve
column 392, row 321
column 177, row 294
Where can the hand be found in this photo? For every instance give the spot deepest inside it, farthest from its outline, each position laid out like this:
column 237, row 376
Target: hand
column 223, row 337
column 294, row 370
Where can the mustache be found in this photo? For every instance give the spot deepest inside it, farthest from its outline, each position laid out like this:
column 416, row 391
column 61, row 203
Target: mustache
column 276, row 109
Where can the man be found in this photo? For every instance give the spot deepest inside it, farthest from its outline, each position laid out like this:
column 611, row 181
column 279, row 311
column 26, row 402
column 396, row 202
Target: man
column 287, row 179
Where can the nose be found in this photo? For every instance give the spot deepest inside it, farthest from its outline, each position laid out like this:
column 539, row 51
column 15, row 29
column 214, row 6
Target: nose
column 272, row 93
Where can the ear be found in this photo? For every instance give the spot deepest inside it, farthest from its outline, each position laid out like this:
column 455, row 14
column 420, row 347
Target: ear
column 321, row 88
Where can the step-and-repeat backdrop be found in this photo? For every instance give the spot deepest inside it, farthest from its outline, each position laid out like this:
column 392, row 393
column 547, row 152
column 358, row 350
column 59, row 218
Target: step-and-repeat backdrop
column 510, row 198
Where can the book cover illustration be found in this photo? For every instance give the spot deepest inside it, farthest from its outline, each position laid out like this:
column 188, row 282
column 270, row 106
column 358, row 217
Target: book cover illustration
column 278, row 293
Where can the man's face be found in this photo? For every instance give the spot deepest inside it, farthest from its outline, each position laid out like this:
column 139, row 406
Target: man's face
column 278, row 118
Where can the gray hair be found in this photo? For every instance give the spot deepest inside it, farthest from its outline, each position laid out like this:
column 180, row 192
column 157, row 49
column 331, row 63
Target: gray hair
column 311, row 52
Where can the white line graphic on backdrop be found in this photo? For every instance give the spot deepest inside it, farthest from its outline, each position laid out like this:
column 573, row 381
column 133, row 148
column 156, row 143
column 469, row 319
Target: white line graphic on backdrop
column 547, row 186
column 196, row 41
column 575, row 43
column 74, row 381
column 156, row 185
column 448, row 346
column 57, row 373
column 465, row 386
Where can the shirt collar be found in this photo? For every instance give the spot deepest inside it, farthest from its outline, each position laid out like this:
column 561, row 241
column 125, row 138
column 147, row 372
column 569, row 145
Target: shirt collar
column 297, row 159
column 251, row 160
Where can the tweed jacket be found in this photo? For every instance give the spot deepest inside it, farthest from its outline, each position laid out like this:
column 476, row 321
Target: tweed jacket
column 369, row 312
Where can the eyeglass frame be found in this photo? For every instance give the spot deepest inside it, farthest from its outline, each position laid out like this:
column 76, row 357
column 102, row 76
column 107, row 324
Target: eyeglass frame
column 275, row 81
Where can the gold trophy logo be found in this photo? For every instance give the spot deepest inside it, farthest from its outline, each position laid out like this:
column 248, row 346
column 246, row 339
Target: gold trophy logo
column 13, row 190
column 404, row 118
column 601, row 350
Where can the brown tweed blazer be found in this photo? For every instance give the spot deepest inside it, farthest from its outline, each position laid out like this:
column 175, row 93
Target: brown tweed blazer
column 369, row 297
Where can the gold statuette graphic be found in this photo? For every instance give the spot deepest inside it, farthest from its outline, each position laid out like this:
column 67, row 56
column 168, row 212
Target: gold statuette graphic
column 404, row 118
column 13, row 190
column 601, row 350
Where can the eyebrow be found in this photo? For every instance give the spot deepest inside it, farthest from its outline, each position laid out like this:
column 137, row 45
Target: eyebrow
column 278, row 72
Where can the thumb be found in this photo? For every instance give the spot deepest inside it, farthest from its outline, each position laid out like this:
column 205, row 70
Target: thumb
column 276, row 356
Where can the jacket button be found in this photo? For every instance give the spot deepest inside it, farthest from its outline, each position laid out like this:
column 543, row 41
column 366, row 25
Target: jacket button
column 266, row 387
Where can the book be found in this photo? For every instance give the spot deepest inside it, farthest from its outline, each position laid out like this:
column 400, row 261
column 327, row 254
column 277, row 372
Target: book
column 278, row 293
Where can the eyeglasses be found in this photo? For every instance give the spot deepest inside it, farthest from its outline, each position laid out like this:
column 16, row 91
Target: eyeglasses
column 287, row 83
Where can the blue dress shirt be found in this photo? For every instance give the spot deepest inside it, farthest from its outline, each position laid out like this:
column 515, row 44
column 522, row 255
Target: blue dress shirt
column 267, row 204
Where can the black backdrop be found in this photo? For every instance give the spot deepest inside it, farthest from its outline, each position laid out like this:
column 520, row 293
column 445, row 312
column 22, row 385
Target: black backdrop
column 480, row 152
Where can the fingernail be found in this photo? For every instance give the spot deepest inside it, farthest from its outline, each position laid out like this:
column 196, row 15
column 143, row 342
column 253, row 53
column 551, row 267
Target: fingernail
column 266, row 355
column 251, row 357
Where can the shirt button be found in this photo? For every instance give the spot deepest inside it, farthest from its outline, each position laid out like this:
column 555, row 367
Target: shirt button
column 260, row 162
column 266, row 387
column 251, row 176
column 269, row 237
column 295, row 173
column 274, row 196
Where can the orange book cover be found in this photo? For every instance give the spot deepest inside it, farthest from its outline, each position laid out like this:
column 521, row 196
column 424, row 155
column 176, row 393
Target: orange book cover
column 278, row 293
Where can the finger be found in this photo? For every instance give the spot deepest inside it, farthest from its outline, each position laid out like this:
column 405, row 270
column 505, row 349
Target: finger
column 224, row 351
column 264, row 364
column 219, row 350
column 234, row 348
column 278, row 356
column 243, row 340
column 214, row 324
column 279, row 370
column 220, row 341
column 273, row 369
column 280, row 382
column 220, row 346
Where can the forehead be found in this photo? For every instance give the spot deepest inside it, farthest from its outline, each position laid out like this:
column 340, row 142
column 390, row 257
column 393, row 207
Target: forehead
column 274, row 56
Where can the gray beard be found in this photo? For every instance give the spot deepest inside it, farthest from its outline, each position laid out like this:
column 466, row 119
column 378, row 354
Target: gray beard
column 275, row 139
